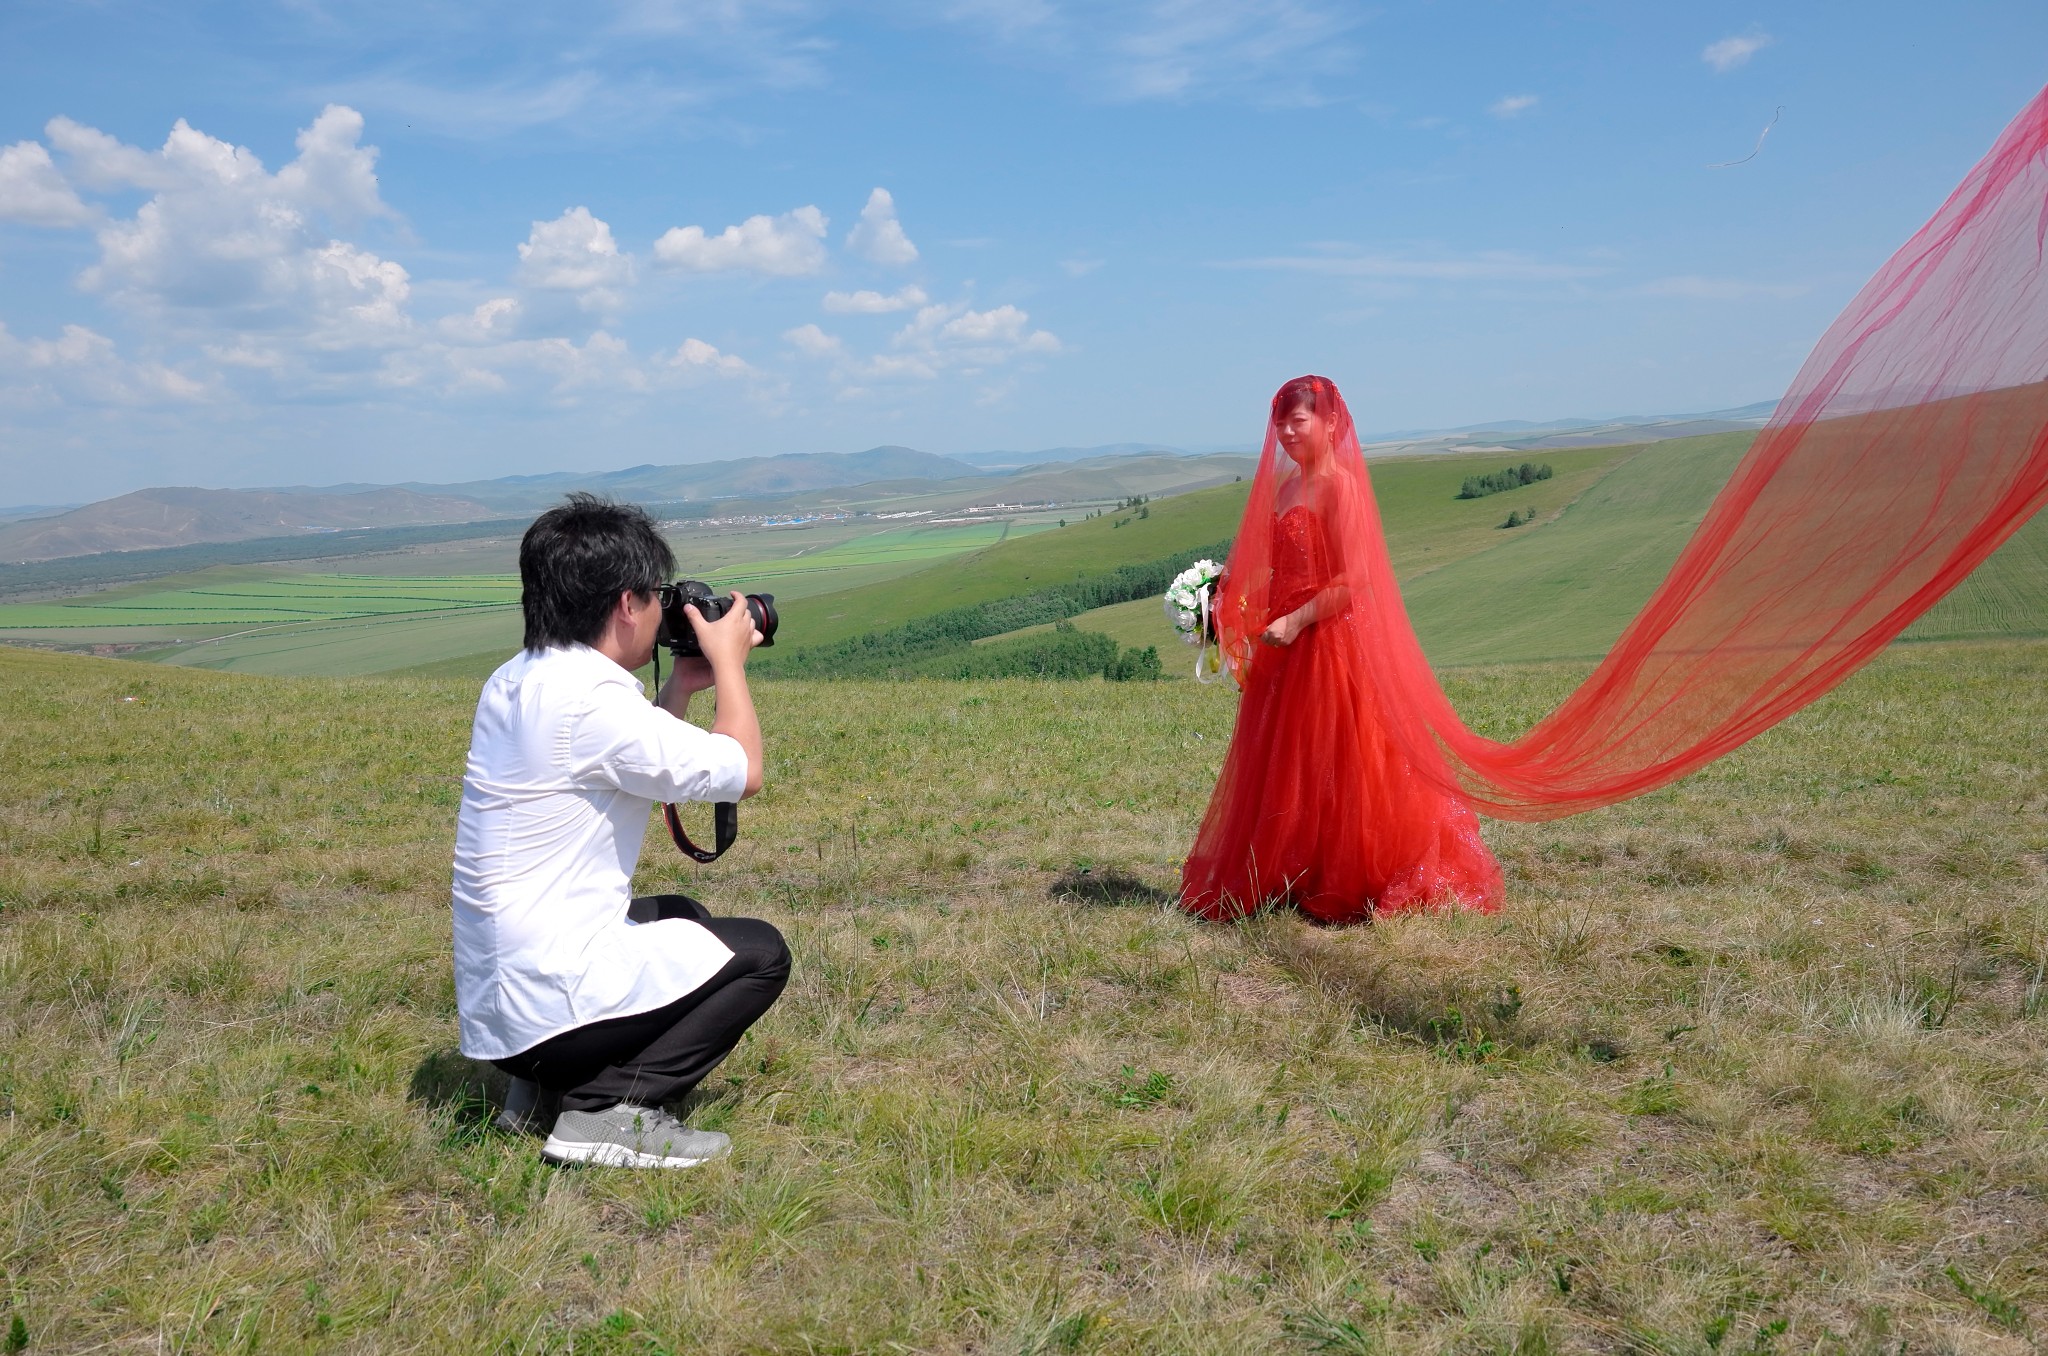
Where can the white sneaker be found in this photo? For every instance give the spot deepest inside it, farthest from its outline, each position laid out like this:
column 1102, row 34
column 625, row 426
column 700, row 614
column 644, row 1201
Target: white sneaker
column 522, row 1113
column 628, row 1136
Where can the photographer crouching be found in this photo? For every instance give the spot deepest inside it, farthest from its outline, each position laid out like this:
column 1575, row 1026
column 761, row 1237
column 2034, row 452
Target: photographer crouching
column 608, row 1005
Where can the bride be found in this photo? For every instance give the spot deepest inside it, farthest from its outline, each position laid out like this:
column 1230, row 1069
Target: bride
column 1316, row 806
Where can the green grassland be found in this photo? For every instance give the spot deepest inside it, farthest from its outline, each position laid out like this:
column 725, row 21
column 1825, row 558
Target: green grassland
column 1758, row 1063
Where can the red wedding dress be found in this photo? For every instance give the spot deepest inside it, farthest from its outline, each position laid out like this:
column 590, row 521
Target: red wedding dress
column 1316, row 806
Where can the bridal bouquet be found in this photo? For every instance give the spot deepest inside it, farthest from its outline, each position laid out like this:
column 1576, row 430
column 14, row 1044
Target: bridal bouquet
column 1189, row 599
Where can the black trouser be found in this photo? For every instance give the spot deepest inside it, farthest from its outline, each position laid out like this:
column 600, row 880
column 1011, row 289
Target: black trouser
column 655, row 1057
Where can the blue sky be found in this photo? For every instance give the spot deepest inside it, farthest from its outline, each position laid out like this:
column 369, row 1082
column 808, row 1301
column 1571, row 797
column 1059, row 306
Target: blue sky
column 318, row 242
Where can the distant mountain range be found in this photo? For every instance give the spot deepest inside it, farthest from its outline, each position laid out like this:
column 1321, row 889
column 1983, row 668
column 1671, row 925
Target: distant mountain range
column 792, row 471
column 184, row 516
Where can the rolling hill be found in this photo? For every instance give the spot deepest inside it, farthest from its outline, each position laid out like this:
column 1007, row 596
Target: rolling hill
column 183, row 515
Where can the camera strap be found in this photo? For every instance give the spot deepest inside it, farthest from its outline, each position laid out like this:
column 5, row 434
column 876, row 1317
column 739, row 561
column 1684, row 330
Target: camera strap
column 725, row 828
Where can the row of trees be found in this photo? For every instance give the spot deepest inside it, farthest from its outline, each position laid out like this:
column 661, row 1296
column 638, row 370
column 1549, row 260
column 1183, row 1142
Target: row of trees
column 905, row 649
column 1511, row 478
column 1063, row 653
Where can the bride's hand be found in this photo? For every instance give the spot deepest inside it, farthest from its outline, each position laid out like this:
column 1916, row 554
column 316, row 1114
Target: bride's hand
column 1285, row 631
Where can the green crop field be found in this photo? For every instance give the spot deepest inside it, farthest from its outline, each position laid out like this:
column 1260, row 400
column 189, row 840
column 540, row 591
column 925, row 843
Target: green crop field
column 1758, row 1063
column 232, row 601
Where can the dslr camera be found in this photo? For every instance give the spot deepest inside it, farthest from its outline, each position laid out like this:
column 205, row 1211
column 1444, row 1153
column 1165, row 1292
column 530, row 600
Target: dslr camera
column 676, row 631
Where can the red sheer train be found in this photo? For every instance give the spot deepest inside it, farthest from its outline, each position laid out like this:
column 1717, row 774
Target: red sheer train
column 1913, row 443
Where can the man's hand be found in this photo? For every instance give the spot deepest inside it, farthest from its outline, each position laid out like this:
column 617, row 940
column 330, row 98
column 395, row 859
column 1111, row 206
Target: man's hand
column 729, row 639
column 689, row 677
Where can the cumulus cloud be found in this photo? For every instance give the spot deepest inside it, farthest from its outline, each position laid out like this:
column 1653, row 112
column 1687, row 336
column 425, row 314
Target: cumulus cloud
column 874, row 303
column 878, row 236
column 788, row 246
column 694, row 356
column 1729, row 53
column 34, row 193
column 575, row 253
column 101, row 161
column 1513, row 105
column 83, row 366
column 491, row 321
column 558, row 367
column 811, row 340
column 941, row 337
column 224, row 244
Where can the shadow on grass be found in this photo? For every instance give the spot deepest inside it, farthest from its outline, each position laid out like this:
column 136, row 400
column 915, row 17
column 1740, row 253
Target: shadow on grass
column 1471, row 1016
column 1109, row 887
column 471, row 1091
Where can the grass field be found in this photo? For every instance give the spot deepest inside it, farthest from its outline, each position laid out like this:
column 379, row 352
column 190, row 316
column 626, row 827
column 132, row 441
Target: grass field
column 1755, row 1064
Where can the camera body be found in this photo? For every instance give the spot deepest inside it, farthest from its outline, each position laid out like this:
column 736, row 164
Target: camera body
column 676, row 631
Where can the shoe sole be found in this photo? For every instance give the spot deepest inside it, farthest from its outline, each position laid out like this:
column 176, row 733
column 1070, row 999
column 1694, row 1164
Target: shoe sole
column 615, row 1156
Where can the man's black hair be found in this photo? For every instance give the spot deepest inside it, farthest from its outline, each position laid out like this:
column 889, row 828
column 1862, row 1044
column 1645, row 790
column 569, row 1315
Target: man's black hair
column 577, row 559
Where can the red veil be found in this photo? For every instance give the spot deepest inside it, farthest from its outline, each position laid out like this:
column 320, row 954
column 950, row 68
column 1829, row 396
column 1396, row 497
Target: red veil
column 1913, row 442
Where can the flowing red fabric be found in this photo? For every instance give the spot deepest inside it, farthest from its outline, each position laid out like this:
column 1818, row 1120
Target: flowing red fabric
column 1912, row 444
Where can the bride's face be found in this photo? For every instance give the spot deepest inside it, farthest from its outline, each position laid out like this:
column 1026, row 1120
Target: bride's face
column 1304, row 435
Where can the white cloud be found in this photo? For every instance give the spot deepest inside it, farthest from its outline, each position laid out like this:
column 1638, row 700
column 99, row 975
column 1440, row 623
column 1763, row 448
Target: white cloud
column 557, row 367
column 697, row 357
column 942, row 336
column 334, row 174
column 491, row 321
column 34, row 193
column 224, row 245
column 1079, row 268
column 811, row 340
column 1513, row 105
column 1729, row 53
column 576, row 253
column 790, row 245
column 82, row 366
column 878, row 236
column 874, row 303
column 101, row 161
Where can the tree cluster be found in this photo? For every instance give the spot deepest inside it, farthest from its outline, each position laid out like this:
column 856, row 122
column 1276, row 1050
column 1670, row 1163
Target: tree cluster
column 1510, row 478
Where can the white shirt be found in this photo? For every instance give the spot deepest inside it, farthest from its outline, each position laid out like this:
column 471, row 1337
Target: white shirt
column 566, row 760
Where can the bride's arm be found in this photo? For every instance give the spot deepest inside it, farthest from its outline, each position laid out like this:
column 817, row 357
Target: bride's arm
column 1334, row 598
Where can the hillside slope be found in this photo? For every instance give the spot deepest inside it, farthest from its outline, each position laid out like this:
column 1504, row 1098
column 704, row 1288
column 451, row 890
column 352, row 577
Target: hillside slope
column 1061, row 556
column 1566, row 589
